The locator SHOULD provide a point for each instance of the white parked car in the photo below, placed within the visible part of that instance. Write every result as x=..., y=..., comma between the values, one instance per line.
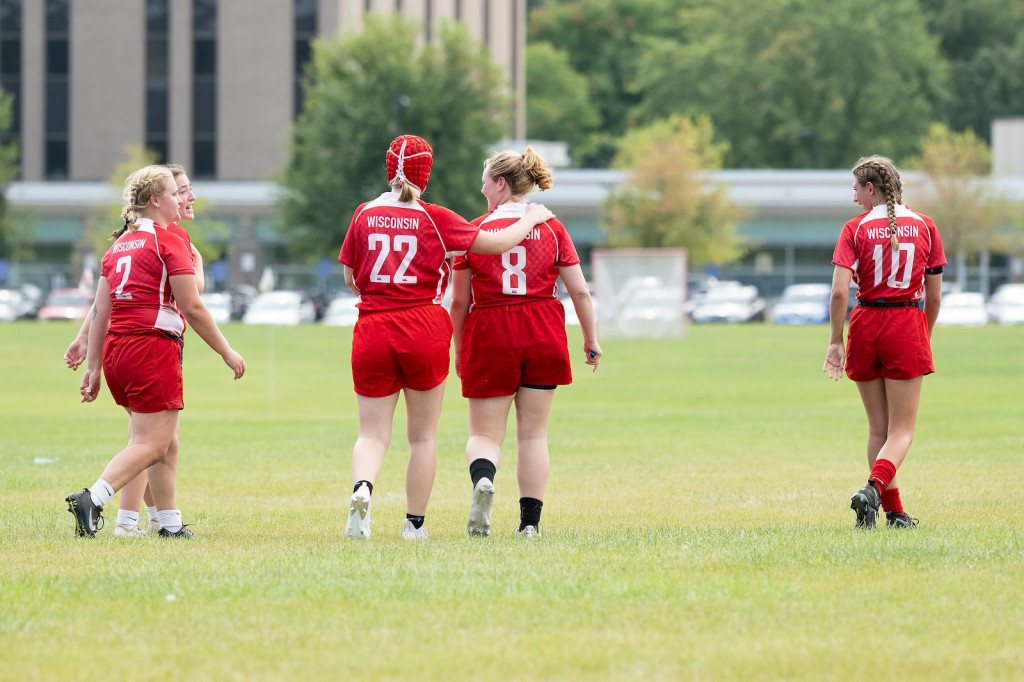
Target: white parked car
x=962, y=308
x=280, y=308
x=341, y=312
x=1006, y=305
x=730, y=304
x=12, y=305
x=219, y=305
x=803, y=304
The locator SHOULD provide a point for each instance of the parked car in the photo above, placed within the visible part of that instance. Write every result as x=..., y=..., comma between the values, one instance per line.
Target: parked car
x=962, y=308
x=730, y=304
x=341, y=312
x=652, y=311
x=803, y=304
x=280, y=308
x=66, y=304
x=1006, y=305
x=241, y=296
x=219, y=305
x=12, y=305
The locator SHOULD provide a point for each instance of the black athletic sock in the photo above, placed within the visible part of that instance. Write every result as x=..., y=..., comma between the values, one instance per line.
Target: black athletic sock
x=417, y=521
x=529, y=512
x=482, y=468
x=359, y=483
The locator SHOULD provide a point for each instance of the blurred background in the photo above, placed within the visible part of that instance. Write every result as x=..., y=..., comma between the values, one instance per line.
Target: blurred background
x=709, y=141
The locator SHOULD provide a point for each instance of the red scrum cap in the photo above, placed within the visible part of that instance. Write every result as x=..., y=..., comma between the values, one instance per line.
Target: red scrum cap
x=409, y=160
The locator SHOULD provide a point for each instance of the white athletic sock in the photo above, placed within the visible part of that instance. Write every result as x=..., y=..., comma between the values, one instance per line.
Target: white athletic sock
x=170, y=519
x=151, y=512
x=127, y=519
x=101, y=492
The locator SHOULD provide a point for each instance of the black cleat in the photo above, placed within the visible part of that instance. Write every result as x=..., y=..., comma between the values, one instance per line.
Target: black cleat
x=88, y=518
x=866, y=502
x=183, y=532
x=899, y=520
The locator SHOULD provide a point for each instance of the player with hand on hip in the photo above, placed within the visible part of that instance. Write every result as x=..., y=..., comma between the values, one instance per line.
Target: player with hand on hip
x=510, y=341
x=895, y=257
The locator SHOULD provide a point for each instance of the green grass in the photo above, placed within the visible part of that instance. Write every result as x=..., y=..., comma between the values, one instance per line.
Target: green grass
x=697, y=525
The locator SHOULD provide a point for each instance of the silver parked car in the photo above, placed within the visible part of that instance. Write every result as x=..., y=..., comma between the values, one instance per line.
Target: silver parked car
x=962, y=308
x=280, y=308
x=1007, y=304
x=341, y=312
x=803, y=304
x=730, y=304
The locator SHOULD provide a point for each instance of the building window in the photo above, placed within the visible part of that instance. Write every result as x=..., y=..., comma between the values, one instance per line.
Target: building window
x=57, y=102
x=157, y=77
x=10, y=65
x=305, y=13
x=204, y=88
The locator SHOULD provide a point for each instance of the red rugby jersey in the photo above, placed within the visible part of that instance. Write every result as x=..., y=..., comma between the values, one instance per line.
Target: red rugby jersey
x=879, y=272
x=137, y=268
x=399, y=252
x=526, y=272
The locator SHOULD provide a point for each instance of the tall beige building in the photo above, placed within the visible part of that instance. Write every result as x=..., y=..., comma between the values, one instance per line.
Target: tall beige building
x=210, y=84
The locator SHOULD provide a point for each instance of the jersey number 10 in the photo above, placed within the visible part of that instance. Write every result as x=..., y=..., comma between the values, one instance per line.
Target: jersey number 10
x=879, y=258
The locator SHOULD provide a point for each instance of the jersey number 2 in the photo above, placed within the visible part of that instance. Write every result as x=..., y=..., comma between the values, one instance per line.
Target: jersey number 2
x=124, y=266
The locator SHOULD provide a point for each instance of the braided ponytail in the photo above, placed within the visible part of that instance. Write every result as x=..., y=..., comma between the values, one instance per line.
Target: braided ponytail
x=880, y=171
x=139, y=187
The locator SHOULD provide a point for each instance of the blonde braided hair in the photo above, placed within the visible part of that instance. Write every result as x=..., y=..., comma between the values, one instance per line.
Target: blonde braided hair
x=881, y=172
x=139, y=187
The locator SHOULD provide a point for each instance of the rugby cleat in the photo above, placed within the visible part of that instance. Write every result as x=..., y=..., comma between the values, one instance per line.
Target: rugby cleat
x=899, y=520
x=865, y=502
x=480, y=512
x=528, y=532
x=122, y=532
x=182, y=532
x=411, y=532
x=358, y=526
x=88, y=516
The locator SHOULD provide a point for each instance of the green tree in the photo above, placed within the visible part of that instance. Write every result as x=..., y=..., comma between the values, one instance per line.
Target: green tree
x=203, y=232
x=602, y=39
x=667, y=202
x=359, y=87
x=12, y=237
x=970, y=216
x=798, y=83
x=984, y=43
x=557, y=104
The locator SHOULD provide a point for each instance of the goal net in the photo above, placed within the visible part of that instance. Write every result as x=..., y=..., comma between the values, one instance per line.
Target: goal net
x=640, y=293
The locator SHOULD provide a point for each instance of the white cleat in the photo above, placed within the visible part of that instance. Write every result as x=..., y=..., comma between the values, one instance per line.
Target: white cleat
x=480, y=513
x=358, y=527
x=411, y=532
x=154, y=525
x=528, y=532
x=122, y=532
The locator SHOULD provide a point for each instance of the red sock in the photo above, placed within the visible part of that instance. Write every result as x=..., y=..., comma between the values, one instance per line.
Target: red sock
x=891, y=501
x=882, y=474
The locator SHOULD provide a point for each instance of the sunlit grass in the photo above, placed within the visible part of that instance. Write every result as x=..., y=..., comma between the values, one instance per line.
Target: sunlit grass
x=696, y=526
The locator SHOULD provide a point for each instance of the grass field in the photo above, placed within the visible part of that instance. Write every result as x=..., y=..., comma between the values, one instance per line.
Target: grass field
x=697, y=525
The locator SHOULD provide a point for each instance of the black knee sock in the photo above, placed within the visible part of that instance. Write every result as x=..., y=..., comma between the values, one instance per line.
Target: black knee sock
x=359, y=483
x=417, y=521
x=482, y=468
x=529, y=512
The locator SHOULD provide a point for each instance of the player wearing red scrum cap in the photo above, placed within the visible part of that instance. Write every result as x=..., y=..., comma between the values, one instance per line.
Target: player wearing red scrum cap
x=396, y=256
